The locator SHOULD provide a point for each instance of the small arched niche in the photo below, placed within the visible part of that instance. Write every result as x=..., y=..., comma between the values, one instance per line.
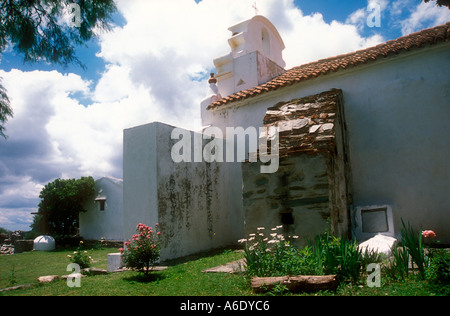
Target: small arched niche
x=265, y=38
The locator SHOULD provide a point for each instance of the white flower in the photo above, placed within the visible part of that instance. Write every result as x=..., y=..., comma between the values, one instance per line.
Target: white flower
x=242, y=240
x=260, y=228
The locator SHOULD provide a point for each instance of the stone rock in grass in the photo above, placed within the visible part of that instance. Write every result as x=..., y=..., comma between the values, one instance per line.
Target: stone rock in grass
x=380, y=244
x=95, y=271
x=48, y=278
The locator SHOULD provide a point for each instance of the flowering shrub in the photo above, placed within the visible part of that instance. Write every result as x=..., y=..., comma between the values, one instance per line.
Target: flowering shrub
x=428, y=234
x=80, y=257
x=414, y=243
x=143, y=250
x=338, y=255
x=437, y=271
x=270, y=254
x=433, y=264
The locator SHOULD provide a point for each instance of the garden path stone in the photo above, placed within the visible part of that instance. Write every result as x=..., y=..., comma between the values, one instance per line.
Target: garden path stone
x=48, y=278
x=232, y=267
x=157, y=268
x=95, y=271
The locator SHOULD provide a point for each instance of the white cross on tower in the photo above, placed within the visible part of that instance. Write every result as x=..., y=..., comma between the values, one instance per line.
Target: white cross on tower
x=256, y=8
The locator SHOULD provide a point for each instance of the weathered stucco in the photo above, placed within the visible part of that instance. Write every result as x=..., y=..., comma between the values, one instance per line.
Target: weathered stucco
x=107, y=224
x=193, y=202
x=398, y=135
x=310, y=191
x=298, y=192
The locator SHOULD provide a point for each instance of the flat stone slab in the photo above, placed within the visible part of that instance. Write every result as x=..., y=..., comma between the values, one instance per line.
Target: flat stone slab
x=48, y=278
x=158, y=268
x=17, y=287
x=95, y=271
x=232, y=267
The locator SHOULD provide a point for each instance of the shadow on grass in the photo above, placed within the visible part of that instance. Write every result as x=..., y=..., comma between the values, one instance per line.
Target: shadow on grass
x=142, y=278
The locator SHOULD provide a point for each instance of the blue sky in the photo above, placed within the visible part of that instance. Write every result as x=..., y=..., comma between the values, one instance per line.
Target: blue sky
x=152, y=66
x=331, y=10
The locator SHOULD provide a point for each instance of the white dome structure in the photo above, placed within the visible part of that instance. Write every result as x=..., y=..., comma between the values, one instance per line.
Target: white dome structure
x=44, y=243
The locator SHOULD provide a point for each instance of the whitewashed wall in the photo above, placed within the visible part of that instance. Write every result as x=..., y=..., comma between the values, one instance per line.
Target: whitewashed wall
x=107, y=224
x=198, y=205
x=397, y=113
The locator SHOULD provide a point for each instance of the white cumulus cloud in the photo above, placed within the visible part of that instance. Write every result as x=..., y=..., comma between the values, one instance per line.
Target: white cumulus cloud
x=157, y=65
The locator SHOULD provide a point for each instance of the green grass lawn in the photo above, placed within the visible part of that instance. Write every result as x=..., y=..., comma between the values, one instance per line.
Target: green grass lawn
x=182, y=278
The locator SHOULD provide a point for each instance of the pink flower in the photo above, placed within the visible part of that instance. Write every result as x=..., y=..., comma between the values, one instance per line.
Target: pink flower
x=428, y=234
x=120, y=249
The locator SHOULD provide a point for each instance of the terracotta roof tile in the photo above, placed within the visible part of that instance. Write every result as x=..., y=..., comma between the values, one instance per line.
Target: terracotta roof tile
x=322, y=67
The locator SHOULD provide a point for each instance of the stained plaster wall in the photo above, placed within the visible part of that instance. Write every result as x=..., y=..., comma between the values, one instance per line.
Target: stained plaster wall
x=194, y=203
x=311, y=186
x=300, y=187
x=399, y=137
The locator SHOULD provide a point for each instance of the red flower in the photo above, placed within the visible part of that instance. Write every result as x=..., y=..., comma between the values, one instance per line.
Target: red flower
x=428, y=234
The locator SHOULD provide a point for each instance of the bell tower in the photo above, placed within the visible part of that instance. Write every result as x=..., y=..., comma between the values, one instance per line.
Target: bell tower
x=255, y=57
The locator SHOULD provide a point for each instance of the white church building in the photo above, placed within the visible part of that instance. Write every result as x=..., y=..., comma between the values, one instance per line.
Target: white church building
x=362, y=142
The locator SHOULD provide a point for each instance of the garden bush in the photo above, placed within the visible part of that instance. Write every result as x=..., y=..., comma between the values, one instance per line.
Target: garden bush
x=438, y=271
x=337, y=255
x=418, y=251
x=143, y=251
x=272, y=254
x=81, y=257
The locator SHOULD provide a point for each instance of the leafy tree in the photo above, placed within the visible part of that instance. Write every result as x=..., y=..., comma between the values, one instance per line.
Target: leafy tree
x=5, y=110
x=441, y=3
x=61, y=202
x=36, y=29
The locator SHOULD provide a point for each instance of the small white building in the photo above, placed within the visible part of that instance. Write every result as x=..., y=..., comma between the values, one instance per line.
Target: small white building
x=104, y=216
